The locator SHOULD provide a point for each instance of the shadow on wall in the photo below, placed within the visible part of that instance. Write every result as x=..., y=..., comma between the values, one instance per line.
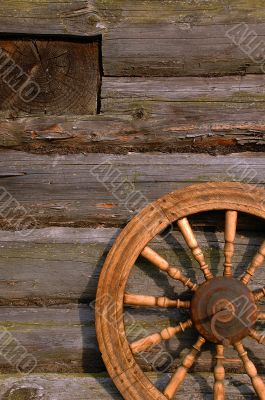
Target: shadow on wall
x=90, y=358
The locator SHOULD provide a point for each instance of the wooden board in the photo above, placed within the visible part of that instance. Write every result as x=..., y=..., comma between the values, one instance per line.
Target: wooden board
x=87, y=190
x=165, y=114
x=90, y=387
x=41, y=77
x=62, y=265
x=63, y=339
x=172, y=38
x=211, y=100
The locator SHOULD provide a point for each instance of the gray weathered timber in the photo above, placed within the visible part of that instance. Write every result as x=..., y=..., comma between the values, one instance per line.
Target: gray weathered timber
x=84, y=190
x=232, y=107
x=209, y=100
x=63, y=339
x=92, y=387
x=153, y=114
x=156, y=38
x=62, y=265
x=60, y=386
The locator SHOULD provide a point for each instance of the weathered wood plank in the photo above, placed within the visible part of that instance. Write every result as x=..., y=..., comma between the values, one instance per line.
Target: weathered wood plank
x=231, y=107
x=52, y=386
x=90, y=16
x=64, y=340
x=55, y=387
x=84, y=190
x=138, y=131
x=198, y=114
x=164, y=96
x=173, y=50
x=54, y=17
x=61, y=265
x=155, y=38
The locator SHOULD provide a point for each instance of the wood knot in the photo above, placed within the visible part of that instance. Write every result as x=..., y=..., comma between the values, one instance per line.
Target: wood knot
x=140, y=113
x=24, y=393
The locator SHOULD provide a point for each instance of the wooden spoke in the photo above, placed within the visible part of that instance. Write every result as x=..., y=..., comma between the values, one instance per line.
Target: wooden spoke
x=251, y=371
x=219, y=374
x=191, y=241
x=230, y=234
x=257, y=336
x=152, y=301
x=259, y=295
x=179, y=376
x=156, y=338
x=163, y=265
x=255, y=264
x=261, y=316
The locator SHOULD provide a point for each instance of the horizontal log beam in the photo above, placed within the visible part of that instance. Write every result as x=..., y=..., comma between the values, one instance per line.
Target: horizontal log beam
x=62, y=265
x=142, y=38
x=145, y=114
x=63, y=339
x=87, y=190
x=95, y=386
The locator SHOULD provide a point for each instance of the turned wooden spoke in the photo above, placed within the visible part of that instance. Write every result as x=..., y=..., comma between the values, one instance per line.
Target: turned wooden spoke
x=259, y=295
x=230, y=234
x=219, y=374
x=251, y=371
x=163, y=265
x=152, y=301
x=179, y=376
x=191, y=241
x=261, y=316
x=255, y=264
x=156, y=338
x=257, y=336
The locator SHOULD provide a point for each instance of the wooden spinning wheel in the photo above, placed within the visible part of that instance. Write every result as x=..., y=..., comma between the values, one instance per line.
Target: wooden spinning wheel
x=216, y=305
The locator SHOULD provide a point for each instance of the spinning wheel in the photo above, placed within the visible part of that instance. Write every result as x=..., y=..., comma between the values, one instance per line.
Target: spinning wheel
x=223, y=309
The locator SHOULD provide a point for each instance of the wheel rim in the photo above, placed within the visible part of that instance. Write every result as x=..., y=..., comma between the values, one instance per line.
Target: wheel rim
x=117, y=353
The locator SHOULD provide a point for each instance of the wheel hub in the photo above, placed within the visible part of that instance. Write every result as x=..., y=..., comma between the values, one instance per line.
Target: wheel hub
x=223, y=310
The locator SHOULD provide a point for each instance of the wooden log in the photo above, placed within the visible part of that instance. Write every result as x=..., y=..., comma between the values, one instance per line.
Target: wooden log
x=217, y=106
x=158, y=95
x=41, y=76
x=63, y=339
x=100, y=386
x=148, y=114
x=152, y=38
x=87, y=190
x=91, y=386
x=53, y=18
x=61, y=265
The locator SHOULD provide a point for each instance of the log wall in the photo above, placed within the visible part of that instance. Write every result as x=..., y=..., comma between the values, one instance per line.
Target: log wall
x=180, y=100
